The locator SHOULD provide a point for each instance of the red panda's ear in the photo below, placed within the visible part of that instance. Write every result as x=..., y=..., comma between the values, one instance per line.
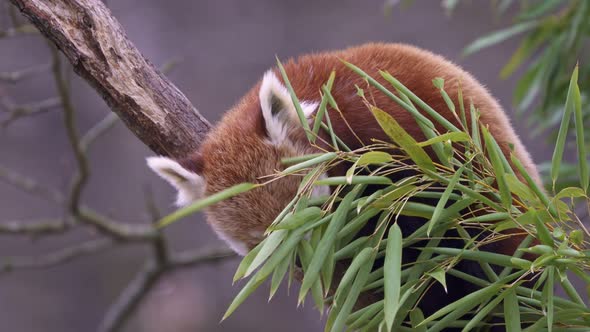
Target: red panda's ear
x=190, y=185
x=278, y=109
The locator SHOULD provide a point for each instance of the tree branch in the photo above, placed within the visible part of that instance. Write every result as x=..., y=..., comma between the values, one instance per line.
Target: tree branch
x=96, y=45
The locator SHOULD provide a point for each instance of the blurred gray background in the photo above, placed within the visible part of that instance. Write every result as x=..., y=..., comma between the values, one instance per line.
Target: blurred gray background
x=224, y=47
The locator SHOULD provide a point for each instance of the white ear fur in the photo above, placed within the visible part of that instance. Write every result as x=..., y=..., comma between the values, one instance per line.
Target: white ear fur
x=278, y=109
x=190, y=185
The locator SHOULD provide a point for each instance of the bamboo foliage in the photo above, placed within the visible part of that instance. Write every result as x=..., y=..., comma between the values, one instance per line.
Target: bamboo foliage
x=314, y=234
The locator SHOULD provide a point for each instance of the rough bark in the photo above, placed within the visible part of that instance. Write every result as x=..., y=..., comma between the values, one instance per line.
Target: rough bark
x=100, y=52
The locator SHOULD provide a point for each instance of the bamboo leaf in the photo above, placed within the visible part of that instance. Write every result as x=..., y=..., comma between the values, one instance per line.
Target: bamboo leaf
x=250, y=287
x=323, y=249
x=580, y=142
x=247, y=261
x=499, y=169
x=499, y=36
x=353, y=294
x=268, y=248
x=512, y=311
x=300, y=114
x=440, y=206
x=323, y=104
x=563, y=128
x=399, y=135
x=439, y=275
x=452, y=136
x=392, y=273
x=277, y=277
x=205, y=202
x=309, y=214
x=373, y=158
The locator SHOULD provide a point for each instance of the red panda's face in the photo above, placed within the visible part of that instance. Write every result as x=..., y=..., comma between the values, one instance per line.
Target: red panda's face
x=246, y=146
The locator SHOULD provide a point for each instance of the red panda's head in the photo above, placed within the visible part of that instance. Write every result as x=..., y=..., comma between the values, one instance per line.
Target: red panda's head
x=246, y=146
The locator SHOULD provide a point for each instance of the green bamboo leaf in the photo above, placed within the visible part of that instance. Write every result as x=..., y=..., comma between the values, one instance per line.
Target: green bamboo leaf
x=538, y=9
x=420, y=118
x=399, y=135
x=542, y=232
x=427, y=109
x=357, y=263
x=512, y=311
x=416, y=317
x=250, y=287
x=300, y=114
x=285, y=250
x=268, y=248
x=352, y=296
x=327, y=271
x=323, y=249
x=205, y=202
x=392, y=273
x=570, y=192
x=483, y=256
x=518, y=188
x=440, y=206
x=462, y=108
x=483, y=312
x=323, y=104
x=373, y=158
x=300, y=159
x=548, y=297
x=309, y=214
x=305, y=254
x=277, y=277
x=453, y=137
x=246, y=261
x=326, y=157
x=357, y=179
x=463, y=305
x=499, y=169
x=439, y=83
x=570, y=105
x=475, y=126
x=532, y=183
x=350, y=249
x=439, y=275
x=580, y=142
x=499, y=36
x=359, y=319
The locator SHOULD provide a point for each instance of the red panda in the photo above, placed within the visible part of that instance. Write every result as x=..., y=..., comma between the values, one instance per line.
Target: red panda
x=262, y=128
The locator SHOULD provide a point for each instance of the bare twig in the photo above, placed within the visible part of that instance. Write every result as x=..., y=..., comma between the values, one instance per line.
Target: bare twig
x=15, y=76
x=83, y=171
x=99, y=129
x=25, y=29
x=35, y=227
x=120, y=311
x=30, y=185
x=196, y=257
x=130, y=298
x=20, y=111
x=55, y=258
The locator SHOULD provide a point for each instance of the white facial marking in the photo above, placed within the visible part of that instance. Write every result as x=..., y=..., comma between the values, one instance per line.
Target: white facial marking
x=238, y=246
x=278, y=109
x=189, y=185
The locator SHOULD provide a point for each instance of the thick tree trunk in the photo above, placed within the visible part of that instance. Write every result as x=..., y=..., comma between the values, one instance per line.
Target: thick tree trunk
x=96, y=45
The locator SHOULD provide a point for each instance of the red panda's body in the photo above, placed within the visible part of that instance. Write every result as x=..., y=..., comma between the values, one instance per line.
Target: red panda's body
x=261, y=129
